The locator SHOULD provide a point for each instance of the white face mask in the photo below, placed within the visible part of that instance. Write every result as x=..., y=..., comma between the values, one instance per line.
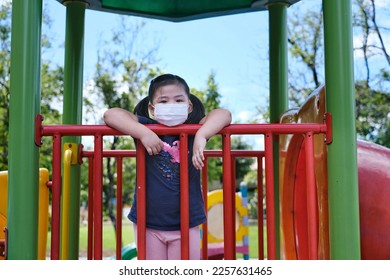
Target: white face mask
x=171, y=114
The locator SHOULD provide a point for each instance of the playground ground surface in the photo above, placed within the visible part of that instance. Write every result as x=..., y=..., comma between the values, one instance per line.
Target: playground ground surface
x=128, y=238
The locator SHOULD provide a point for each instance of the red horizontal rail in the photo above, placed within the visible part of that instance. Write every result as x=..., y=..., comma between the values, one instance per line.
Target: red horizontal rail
x=208, y=153
x=90, y=130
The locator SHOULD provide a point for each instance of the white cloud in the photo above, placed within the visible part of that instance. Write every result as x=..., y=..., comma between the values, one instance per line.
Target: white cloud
x=242, y=117
x=381, y=3
x=3, y=2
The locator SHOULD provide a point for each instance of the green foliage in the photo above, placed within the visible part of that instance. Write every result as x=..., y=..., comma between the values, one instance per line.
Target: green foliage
x=52, y=84
x=243, y=164
x=372, y=82
x=123, y=72
x=213, y=97
x=51, y=89
x=252, y=183
x=212, y=101
x=5, y=49
x=121, y=80
x=373, y=112
x=306, y=50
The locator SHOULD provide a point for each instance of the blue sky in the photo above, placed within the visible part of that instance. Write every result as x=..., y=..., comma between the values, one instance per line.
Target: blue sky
x=235, y=47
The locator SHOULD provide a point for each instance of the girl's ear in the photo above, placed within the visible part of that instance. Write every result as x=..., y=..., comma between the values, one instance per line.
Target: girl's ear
x=151, y=110
x=190, y=107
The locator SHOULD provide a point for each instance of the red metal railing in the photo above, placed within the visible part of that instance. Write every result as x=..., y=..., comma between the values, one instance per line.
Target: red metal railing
x=99, y=131
x=120, y=154
x=259, y=155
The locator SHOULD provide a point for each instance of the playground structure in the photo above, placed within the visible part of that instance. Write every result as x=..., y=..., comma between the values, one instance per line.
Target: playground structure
x=43, y=211
x=215, y=224
x=374, y=190
x=344, y=232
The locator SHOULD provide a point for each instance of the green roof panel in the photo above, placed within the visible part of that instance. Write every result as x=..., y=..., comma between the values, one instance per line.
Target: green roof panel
x=179, y=10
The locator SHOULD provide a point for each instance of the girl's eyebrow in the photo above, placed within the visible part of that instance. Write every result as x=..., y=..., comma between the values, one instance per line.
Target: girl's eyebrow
x=181, y=95
x=163, y=97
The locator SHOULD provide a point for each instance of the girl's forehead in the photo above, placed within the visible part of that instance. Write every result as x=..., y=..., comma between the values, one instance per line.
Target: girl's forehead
x=170, y=91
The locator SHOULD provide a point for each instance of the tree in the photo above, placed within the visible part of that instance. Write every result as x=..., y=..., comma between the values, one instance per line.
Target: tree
x=51, y=89
x=372, y=89
x=372, y=71
x=371, y=59
x=212, y=101
x=5, y=51
x=121, y=80
x=306, y=52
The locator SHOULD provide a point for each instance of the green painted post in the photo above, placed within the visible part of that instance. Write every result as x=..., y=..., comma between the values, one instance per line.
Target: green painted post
x=23, y=154
x=73, y=95
x=278, y=86
x=342, y=153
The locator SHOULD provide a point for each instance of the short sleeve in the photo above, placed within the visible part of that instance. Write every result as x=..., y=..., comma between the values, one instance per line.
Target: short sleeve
x=145, y=120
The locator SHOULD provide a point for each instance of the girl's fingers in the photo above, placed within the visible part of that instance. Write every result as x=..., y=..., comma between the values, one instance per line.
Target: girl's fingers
x=197, y=160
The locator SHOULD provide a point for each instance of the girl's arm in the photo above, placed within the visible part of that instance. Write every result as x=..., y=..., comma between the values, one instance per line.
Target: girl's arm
x=211, y=125
x=127, y=123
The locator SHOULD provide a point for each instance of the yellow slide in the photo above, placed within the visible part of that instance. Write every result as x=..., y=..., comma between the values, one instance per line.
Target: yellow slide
x=43, y=218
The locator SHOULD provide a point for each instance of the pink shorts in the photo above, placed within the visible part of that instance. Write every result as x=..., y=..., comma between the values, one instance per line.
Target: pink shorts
x=165, y=245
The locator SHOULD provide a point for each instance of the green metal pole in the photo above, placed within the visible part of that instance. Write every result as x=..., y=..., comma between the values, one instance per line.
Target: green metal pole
x=73, y=95
x=23, y=154
x=342, y=153
x=278, y=86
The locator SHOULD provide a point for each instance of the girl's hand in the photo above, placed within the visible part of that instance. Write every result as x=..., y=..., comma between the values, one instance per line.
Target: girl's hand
x=152, y=143
x=197, y=152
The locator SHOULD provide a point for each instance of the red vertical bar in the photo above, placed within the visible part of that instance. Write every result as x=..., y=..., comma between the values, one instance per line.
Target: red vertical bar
x=311, y=196
x=184, y=198
x=229, y=202
x=260, y=220
x=56, y=198
x=90, y=208
x=119, y=166
x=233, y=208
x=204, y=226
x=98, y=198
x=234, y=173
x=270, y=194
x=141, y=202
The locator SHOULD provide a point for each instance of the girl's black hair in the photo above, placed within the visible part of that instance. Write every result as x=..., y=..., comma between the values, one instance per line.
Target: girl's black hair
x=164, y=80
x=198, y=111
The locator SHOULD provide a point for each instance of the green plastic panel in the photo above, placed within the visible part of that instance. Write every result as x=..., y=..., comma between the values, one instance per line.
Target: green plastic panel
x=179, y=10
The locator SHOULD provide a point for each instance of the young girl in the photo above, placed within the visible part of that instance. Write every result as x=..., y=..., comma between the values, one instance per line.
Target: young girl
x=169, y=103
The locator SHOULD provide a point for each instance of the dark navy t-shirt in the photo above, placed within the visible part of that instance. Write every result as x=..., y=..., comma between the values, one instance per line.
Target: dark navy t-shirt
x=163, y=187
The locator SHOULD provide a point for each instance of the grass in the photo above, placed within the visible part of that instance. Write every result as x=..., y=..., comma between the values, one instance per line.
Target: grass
x=109, y=239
